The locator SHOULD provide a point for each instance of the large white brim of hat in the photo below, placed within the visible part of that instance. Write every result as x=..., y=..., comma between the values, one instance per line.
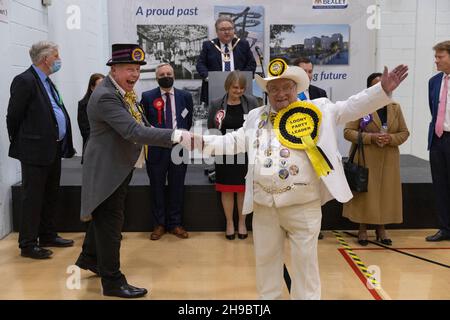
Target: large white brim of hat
x=296, y=74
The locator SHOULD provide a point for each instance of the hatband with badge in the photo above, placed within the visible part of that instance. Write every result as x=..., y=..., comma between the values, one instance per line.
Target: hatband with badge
x=126, y=53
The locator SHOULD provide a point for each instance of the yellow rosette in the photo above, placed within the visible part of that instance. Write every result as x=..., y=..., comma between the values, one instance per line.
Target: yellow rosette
x=297, y=127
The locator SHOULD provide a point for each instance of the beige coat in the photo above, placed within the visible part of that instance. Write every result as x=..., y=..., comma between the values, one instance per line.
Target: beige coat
x=382, y=204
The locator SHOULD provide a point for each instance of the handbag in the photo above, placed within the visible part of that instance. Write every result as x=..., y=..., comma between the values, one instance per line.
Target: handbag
x=357, y=174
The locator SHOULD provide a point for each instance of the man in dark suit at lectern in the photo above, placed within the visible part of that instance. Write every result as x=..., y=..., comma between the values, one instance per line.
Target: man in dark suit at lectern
x=224, y=53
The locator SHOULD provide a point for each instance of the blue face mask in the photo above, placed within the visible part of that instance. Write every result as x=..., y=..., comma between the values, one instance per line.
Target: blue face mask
x=56, y=66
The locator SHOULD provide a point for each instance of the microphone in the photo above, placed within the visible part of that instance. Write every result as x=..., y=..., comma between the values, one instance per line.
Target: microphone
x=259, y=52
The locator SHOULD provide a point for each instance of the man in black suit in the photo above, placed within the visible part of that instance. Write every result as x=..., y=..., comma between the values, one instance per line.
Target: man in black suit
x=312, y=92
x=224, y=53
x=40, y=134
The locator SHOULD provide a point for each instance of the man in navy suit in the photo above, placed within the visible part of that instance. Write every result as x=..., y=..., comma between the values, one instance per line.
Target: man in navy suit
x=167, y=107
x=312, y=92
x=224, y=53
x=439, y=138
x=40, y=134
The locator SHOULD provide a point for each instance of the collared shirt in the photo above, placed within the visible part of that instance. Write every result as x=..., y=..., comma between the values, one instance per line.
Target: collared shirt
x=141, y=160
x=172, y=104
x=59, y=113
x=306, y=93
x=230, y=51
x=447, y=108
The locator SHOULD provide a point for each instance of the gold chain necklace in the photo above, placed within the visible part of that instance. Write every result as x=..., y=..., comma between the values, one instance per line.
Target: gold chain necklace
x=226, y=55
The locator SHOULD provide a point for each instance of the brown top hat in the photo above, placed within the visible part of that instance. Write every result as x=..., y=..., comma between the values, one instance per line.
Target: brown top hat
x=127, y=53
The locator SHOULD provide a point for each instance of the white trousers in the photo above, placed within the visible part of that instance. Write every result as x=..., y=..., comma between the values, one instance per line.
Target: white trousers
x=301, y=225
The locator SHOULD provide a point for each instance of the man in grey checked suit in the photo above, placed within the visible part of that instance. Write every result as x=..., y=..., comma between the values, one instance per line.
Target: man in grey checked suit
x=115, y=147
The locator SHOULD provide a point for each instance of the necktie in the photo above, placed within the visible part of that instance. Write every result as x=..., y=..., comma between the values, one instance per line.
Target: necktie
x=439, y=129
x=57, y=110
x=168, y=113
x=52, y=91
x=131, y=98
x=227, y=62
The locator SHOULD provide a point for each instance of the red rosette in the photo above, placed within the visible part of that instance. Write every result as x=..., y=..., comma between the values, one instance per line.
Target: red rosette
x=158, y=104
x=219, y=117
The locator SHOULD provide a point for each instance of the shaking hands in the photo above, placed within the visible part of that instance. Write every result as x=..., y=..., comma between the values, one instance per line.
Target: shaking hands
x=191, y=141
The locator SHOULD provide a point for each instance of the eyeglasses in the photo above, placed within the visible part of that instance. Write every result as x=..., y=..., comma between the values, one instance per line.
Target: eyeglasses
x=285, y=89
x=225, y=29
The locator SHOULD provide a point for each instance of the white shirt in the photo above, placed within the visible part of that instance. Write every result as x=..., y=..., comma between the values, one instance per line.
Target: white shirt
x=222, y=46
x=172, y=104
x=447, y=108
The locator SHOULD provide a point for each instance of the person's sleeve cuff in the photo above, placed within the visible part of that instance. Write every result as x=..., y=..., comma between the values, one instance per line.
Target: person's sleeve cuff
x=176, y=136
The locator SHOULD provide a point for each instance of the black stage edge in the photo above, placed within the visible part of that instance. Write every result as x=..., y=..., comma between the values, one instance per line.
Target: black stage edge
x=203, y=210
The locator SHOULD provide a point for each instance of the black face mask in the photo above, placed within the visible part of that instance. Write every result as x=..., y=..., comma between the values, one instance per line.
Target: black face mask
x=166, y=82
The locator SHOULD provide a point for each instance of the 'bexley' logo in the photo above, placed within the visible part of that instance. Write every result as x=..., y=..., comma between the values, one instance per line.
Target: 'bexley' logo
x=330, y=4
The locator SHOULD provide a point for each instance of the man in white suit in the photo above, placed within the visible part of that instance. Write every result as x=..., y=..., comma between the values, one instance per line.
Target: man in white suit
x=284, y=188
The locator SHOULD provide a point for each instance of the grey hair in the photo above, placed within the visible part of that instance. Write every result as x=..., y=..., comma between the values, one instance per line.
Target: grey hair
x=222, y=19
x=159, y=66
x=40, y=50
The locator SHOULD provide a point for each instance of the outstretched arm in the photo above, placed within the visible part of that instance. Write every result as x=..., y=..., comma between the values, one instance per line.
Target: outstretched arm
x=370, y=99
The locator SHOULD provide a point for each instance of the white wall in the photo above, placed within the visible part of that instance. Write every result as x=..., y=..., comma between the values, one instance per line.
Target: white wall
x=409, y=30
x=84, y=51
x=27, y=22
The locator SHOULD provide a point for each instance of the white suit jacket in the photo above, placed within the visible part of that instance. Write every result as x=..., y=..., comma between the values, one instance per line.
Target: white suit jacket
x=333, y=186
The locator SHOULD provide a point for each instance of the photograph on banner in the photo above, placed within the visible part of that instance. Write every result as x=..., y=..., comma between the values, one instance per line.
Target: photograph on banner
x=178, y=45
x=4, y=10
x=323, y=44
x=248, y=22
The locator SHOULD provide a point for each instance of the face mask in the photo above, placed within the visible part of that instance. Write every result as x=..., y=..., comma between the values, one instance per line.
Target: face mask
x=166, y=82
x=55, y=66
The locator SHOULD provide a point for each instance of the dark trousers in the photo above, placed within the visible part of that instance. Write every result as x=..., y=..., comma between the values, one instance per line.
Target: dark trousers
x=440, y=173
x=101, y=245
x=174, y=173
x=40, y=185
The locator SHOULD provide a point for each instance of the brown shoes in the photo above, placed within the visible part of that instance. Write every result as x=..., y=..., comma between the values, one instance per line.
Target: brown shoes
x=157, y=232
x=180, y=232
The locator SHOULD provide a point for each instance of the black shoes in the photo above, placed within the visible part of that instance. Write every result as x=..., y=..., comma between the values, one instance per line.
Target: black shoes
x=230, y=236
x=438, y=236
x=36, y=252
x=242, y=236
x=320, y=236
x=125, y=291
x=362, y=239
x=385, y=241
x=363, y=242
x=56, y=242
x=85, y=264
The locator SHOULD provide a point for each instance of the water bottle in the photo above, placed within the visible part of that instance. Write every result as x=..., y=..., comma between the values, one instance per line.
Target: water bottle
x=383, y=129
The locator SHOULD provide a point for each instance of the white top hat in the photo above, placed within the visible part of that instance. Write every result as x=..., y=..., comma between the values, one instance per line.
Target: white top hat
x=278, y=69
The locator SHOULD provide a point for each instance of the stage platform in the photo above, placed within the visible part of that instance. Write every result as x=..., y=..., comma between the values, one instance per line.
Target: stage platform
x=203, y=211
